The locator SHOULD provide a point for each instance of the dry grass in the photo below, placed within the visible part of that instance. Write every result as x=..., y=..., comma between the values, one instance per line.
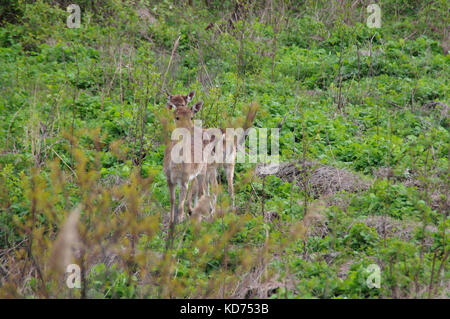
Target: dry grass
x=324, y=180
x=255, y=285
x=401, y=229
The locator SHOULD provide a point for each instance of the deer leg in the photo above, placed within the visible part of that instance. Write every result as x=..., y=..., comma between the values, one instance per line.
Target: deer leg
x=181, y=200
x=201, y=185
x=212, y=179
x=229, y=170
x=193, y=190
x=172, y=200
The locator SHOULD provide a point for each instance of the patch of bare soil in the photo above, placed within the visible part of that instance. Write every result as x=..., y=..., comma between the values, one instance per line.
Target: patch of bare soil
x=436, y=105
x=145, y=14
x=344, y=269
x=315, y=223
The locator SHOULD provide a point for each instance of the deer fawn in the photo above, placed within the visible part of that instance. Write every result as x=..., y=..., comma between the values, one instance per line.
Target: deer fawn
x=181, y=173
x=208, y=176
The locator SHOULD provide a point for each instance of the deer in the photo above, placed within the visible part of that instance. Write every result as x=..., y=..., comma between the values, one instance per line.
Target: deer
x=203, y=209
x=182, y=173
x=208, y=177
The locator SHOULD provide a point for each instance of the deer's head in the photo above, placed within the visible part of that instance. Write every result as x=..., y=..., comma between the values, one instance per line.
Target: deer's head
x=182, y=113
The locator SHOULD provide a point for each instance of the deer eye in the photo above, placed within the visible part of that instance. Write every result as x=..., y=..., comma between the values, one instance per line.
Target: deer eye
x=192, y=118
x=177, y=118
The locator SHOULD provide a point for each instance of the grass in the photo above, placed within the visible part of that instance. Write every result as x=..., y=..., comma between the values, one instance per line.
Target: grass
x=83, y=124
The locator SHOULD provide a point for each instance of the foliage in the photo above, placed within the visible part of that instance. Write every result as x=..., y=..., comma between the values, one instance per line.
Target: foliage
x=83, y=125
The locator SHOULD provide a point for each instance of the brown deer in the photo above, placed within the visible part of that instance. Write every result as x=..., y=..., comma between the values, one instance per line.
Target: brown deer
x=202, y=209
x=209, y=175
x=181, y=173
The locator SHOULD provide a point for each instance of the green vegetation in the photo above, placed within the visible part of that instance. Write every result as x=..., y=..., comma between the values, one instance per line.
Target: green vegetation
x=363, y=114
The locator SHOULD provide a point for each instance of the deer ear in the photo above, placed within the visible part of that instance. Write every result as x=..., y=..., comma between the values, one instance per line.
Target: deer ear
x=190, y=96
x=197, y=107
x=170, y=106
